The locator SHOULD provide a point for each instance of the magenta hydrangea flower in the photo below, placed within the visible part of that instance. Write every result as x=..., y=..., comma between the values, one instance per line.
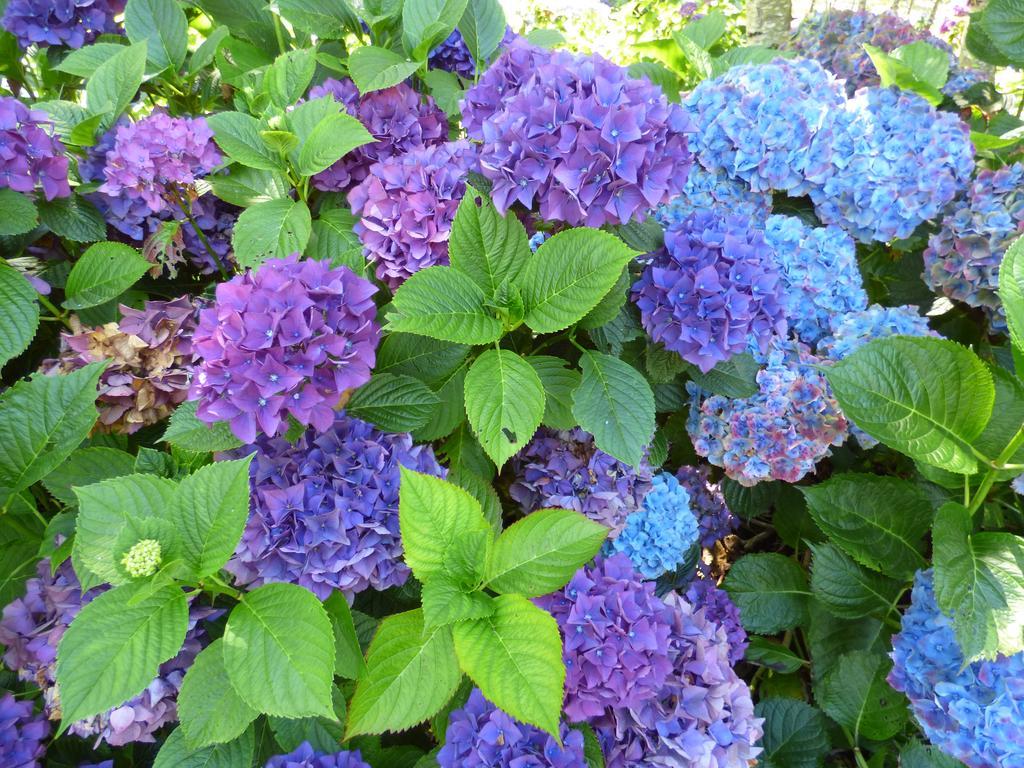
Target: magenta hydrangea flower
x=398, y=118
x=30, y=152
x=286, y=339
x=719, y=608
x=407, y=205
x=480, y=735
x=577, y=136
x=72, y=23
x=304, y=756
x=615, y=633
x=324, y=510
x=22, y=733
x=714, y=285
x=714, y=520
x=566, y=470
x=157, y=158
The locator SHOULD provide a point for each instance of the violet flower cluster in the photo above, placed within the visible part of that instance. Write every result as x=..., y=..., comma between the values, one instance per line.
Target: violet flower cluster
x=324, y=510
x=150, y=368
x=71, y=23
x=576, y=136
x=566, y=470
x=963, y=258
x=971, y=711
x=719, y=608
x=22, y=733
x=407, y=205
x=452, y=55
x=714, y=519
x=657, y=537
x=896, y=163
x=286, y=339
x=714, y=189
x=769, y=125
x=398, y=118
x=304, y=756
x=781, y=432
x=819, y=275
x=30, y=152
x=712, y=286
x=480, y=735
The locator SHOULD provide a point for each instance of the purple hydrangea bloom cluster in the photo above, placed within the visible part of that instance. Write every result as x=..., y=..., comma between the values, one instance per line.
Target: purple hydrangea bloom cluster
x=855, y=329
x=71, y=23
x=407, y=205
x=480, y=735
x=657, y=537
x=31, y=629
x=713, y=286
x=962, y=259
x=770, y=125
x=30, y=152
x=398, y=118
x=971, y=711
x=896, y=163
x=576, y=135
x=452, y=55
x=305, y=756
x=781, y=432
x=615, y=633
x=960, y=79
x=325, y=509
x=288, y=338
x=819, y=275
x=21, y=733
x=719, y=608
x=714, y=189
x=714, y=519
x=702, y=716
x=158, y=158
x=566, y=470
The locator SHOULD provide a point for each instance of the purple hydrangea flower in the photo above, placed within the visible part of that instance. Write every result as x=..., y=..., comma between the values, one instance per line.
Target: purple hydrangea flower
x=31, y=629
x=702, y=716
x=781, y=432
x=896, y=163
x=30, y=152
x=714, y=285
x=615, y=633
x=398, y=118
x=158, y=158
x=480, y=735
x=719, y=608
x=72, y=23
x=820, y=279
x=288, y=338
x=657, y=536
x=577, y=136
x=770, y=125
x=971, y=711
x=708, y=504
x=305, y=756
x=407, y=205
x=962, y=259
x=21, y=733
x=714, y=189
x=453, y=56
x=960, y=79
x=150, y=354
x=325, y=509
x=566, y=470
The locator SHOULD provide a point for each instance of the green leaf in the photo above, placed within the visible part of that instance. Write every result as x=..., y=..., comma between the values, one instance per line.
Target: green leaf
x=773, y=655
x=175, y=753
x=615, y=404
x=410, y=673
x=348, y=656
x=848, y=590
x=878, y=521
x=115, y=646
x=978, y=43
x=373, y=69
x=287, y=79
x=22, y=541
x=892, y=71
x=331, y=139
x=698, y=59
x=918, y=755
x=273, y=229
x=445, y=304
x=73, y=218
x=446, y=89
x=855, y=694
x=429, y=360
x=104, y=272
x=926, y=397
x=187, y=432
x=929, y=63
x=244, y=186
x=568, y=275
x=1011, y=290
x=771, y=592
x=279, y=651
x=425, y=23
x=735, y=377
x=162, y=25
x=515, y=659
x=84, y=61
x=238, y=136
x=393, y=402
x=545, y=38
x=1003, y=22
x=541, y=552
x=19, y=313
x=115, y=82
x=327, y=19
x=559, y=383
x=210, y=710
x=205, y=54
x=486, y=246
x=482, y=26
x=84, y=467
x=504, y=402
x=324, y=734
x=445, y=602
x=20, y=214
x=795, y=734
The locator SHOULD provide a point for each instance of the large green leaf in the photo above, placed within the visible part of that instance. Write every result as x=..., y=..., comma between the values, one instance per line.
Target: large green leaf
x=20, y=214
x=482, y=26
x=323, y=733
x=394, y=403
x=559, y=383
x=795, y=734
x=104, y=272
x=329, y=141
x=73, y=218
x=162, y=25
x=847, y=589
x=244, y=186
x=273, y=229
x=326, y=19
x=176, y=753
x=615, y=404
x=238, y=135
x=918, y=755
x=445, y=304
x=287, y=79
x=348, y=656
x=446, y=601
x=855, y=694
x=84, y=467
x=115, y=82
x=429, y=360
x=1003, y=22
x=735, y=377
x=425, y=23
x=210, y=710
x=19, y=313
x=485, y=245
x=82, y=62
x=373, y=69
x=771, y=592
x=1011, y=290
x=187, y=432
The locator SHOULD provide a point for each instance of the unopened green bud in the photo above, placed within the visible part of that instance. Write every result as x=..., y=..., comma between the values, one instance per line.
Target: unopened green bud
x=143, y=558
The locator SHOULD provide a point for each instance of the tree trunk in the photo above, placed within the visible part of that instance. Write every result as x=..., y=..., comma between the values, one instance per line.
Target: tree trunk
x=768, y=21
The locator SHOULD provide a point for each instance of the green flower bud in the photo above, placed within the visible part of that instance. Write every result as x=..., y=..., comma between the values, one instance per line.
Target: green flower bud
x=143, y=559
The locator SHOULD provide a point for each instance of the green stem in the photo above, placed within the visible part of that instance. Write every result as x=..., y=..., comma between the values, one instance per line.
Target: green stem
x=1000, y=463
x=55, y=312
x=279, y=33
x=202, y=235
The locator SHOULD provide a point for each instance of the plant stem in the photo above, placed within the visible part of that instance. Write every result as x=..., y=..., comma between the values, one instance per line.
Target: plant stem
x=55, y=312
x=279, y=33
x=1000, y=463
x=202, y=235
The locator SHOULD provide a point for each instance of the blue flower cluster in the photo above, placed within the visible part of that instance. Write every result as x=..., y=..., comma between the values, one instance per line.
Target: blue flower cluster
x=714, y=189
x=657, y=537
x=22, y=733
x=61, y=22
x=855, y=329
x=714, y=518
x=304, y=756
x=972, y=711
x=453, y=56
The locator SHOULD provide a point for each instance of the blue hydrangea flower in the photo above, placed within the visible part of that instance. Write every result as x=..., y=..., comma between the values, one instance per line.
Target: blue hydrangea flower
x=709, y=189
x=719, y=608
x=970, y=711
x=536, y=239
x=1018, y=485
x=452, y=55
x=305, y=756
x=72, y=23
x=855, y=329
x=714, y=518
x=22, y=733
x=820, y=279
x=657, y=537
